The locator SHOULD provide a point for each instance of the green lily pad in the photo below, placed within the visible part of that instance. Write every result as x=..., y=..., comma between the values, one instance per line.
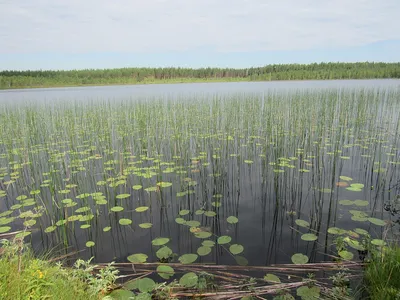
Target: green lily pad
x=236, y=249
x=193, y=223
x=241, y=260
x=50, y=229
x=346, y=202
x=117, y=208
x=137, y=187
x=5, y=229
x=189, y=280
x=302, y=223
x=141, y=208
x=347, y=255
x=208, y=243
x=22, y=234
x=145, y=225
x=106, y=229
x=210, y=213
x=188, y=258
x=299, y=259
x=164, y=184
x=160, y=241
x=222, y=240
x=180, y=221
x=123, y=196
x=377, y=222
x=361, y=203
x=137, y=258
x=337, y=231
x=184, y=212
x=232, y=220
x=89, y=244
x=361, y=231
x=345, y=178
x=378, y=242
x=199, y=212
x=164, y=252
x=309, y=237
x=121, y=294
x=125, y=222
x=165, y=272
x=145, y=284
x=308, y=293
x=203, y=250
x=272, y=278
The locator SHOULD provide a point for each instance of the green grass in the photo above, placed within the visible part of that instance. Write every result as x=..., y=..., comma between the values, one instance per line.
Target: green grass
x=22, y=276
x=383, y=275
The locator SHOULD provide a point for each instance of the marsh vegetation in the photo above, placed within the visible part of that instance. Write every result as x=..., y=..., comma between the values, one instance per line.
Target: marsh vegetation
x=280, y=177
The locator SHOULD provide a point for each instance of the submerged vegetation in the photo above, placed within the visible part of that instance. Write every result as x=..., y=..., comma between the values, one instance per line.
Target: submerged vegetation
x=30, y=79
x=190, y=193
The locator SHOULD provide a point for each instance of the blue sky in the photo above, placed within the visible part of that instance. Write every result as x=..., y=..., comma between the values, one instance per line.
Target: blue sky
x=76, y=34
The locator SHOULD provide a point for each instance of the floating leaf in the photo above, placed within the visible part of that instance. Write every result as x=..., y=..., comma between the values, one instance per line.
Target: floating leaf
x=137, y=258
x=22, y=234
x=180, y=221
x=123, y=196
x=232, y=220
x=361, y=231
x=345, y=178
x=108, y=228
x=346, y=202
x=378, y=242
x=61, y=222
x=377, y=222
x=141, y=208
x=361, y=203
x=347, y=255
x=354, y=244
x=203, y=250
x=241, y=261
x=160, y=241
x=82, y=209
x=189, y=280
x=309, y=237
x=188, y=258
x=122, y=294
x=302, y=223
x=164, y=184
x=203, y=234
x=117, y=208
x=125, y=222
x=50, y=229
x=89, y=244
x=145, y=284
x=272, y=278
x=236, y=249
x=193, y=223
x=216, y=204
x=335, y=230
x=199, y=212
x=85, y=226
x=184, y=212
x=210, y=213
x=145, y=225
x=308, y=293
x=137, y=187
x=4, y=229
x=151, y=189
x=208, y=243
x=222, y=240
x=299, y=259
x=29, y=223
x=164, y=252
x=165, y=272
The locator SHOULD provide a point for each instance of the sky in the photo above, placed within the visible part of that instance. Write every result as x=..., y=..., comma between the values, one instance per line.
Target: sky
x=78, y=34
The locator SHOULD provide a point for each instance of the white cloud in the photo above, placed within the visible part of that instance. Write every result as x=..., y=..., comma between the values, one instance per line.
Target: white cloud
x=78, y=26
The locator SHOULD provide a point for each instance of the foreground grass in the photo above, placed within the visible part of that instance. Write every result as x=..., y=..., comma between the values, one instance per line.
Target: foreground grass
x=22, y=276
x=382, y=275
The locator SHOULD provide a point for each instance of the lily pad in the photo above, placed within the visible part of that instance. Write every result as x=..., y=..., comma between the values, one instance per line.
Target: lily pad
x=184, y=212
x=302, y=223
x=210, y=213
x=222, y=240
x=137, y=258
x=123, y=196
x=361, y=203
x=309, y=237
x=346, y=202
x=236, y=249
x=117, y=208
x=188, y=258
x=272, y=278
x=299, y=259
x=378, y=242
x=141, y=208
x=232, y=220
x=160, y=241
x=125, y=222
x=180, y=221
x=164, y=252
x=347, y=255
x=145, y=225
x=5, y=229
x=193, y=223
x=165, y=271
x=345, y=178
x=203, y=250
x=189, y=280
x=377, y=222
x=90, y=244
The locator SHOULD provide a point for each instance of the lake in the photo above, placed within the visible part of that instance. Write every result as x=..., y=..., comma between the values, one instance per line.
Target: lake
x=250, y=172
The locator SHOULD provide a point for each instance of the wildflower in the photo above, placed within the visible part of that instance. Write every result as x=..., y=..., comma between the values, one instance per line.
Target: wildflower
x=39, y=274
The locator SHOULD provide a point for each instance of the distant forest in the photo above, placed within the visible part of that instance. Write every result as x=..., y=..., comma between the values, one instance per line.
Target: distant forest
x=318, y=71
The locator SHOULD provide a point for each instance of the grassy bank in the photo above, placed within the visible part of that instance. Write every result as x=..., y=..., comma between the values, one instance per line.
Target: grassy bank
x=123, y=76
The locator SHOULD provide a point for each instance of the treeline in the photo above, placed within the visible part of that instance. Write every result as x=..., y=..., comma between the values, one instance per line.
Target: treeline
x=361, y=70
